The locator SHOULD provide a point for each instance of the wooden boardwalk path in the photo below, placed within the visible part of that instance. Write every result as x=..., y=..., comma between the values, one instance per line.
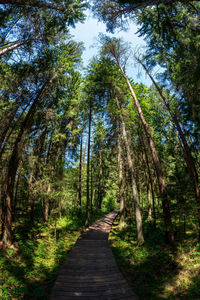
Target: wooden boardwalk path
x=90, y=271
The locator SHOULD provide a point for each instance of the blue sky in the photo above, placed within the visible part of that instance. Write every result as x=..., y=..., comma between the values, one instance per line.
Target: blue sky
x=88, y=31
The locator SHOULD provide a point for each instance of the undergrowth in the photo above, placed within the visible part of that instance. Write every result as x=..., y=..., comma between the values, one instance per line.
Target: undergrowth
x=153, y=270
x=29, y=271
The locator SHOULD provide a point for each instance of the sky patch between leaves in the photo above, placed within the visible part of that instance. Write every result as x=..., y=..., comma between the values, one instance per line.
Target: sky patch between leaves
x=88, y=32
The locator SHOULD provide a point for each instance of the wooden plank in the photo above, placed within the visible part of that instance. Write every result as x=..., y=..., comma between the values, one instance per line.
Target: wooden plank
x=90, y=271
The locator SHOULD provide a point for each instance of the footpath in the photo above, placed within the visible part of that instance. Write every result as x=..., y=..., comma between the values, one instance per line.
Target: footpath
x=90, y=271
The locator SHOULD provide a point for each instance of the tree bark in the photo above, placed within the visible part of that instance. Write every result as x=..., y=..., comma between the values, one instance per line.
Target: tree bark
x=88, y=168
x=138, y=215
x=157, y=165
x=31, y=197
x=149, y=174
x=100, y=175
x=16, y=192
x=15, y=45
x=46, y=205
x=13, y=165
x=7, y=122
x=93, y=196
x=149, y=201
x=186, y=150
x=129, y=204
x=139, y=5
x=80, y=169
x=121, y=185
x=91, y=187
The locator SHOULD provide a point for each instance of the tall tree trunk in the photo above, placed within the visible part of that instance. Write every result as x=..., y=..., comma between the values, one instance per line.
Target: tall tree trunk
x=187, y=153
x=9, y=124
x=31, y=197
x=88, y=168
x=157, y=165
x=80, y=169
x=129, y=205
x=100, y=175
x=149, y=201
x=93, y=196
x=13, y=165
x=121, y=185
x=6, y=123
x=2, y=194
x=149, y=174
x=16, y=192
x=138, y=215
x=91, y=187
x=15, y=45
x=135, y=161
x=46, y=204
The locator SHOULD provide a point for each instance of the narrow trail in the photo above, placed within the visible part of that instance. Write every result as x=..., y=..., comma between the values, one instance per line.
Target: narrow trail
x=90, y=271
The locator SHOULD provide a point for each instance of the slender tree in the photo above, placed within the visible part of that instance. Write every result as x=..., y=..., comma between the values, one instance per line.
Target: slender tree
x=115, y=49
x=121, y=184
x=80, y=166
x=136, y=199
x=187, y=153
x=88, y=204
x=14, y=161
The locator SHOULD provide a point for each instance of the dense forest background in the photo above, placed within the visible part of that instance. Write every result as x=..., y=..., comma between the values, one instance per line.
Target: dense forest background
x=75, y=144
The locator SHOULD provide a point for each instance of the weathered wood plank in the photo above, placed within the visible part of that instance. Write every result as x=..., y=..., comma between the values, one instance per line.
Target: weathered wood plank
x=90, y=271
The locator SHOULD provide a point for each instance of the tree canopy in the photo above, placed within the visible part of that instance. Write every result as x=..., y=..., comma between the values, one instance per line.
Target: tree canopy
x=76, y=143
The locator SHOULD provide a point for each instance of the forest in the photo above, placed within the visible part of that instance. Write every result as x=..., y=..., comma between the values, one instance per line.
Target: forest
x=77, y=143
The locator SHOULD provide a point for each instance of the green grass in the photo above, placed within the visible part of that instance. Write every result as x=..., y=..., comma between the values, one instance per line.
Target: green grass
x=29, y=271
x=153, y=270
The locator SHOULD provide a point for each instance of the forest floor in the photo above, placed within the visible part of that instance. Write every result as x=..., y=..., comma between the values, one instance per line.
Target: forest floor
x=153, y=270
x=30, y=271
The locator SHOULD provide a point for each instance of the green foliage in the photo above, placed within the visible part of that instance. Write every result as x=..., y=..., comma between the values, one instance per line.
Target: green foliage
x=47, y=213
x=172, y=34
x=31, y=270
x=153, y=270
x=38, y=24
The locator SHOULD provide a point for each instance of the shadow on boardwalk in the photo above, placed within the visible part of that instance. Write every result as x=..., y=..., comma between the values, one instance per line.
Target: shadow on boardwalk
x=90, y=271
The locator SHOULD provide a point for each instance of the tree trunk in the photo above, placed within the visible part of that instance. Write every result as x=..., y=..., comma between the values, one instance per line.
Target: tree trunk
x=88, y=168
x=138, y=215
x=93, y=196
x=6, y=123
x=46, y=204
x=149, y=201
x=149, y=174
x=11, y=125
x=31, y=197
x=129, y=206
x=80, y=169
x=16, y=192
x=187, y=154
x=91, y=186
x=100, y=175
x=121, y=185
x=13, y=165
x=157, y=165
x=15, y=45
